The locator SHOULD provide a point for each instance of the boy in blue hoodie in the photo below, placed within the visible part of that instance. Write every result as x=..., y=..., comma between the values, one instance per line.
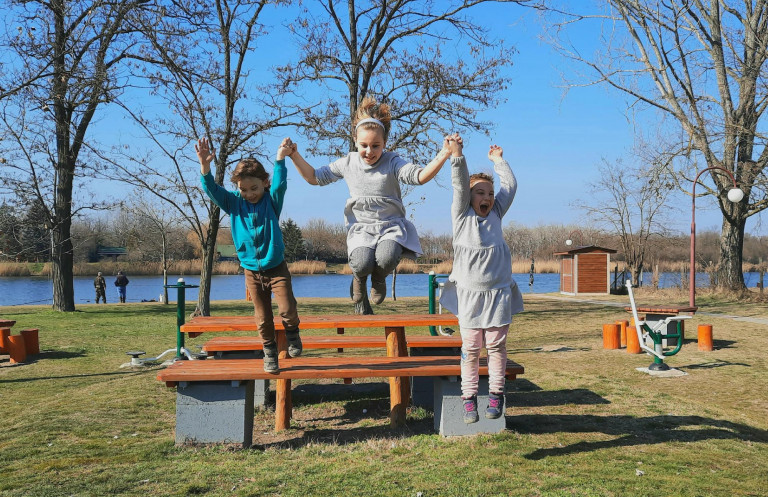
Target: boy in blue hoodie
x=254, y=213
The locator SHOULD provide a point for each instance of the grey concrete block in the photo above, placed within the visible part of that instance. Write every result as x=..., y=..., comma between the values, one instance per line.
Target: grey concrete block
x=422, y=387
x=261, y=390
x=449, y=409
x=215, y=412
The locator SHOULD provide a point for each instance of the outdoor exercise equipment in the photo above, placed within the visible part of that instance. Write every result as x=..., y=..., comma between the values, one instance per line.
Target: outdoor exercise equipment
x=181, y=351
x=434, y=302
x=656, y=334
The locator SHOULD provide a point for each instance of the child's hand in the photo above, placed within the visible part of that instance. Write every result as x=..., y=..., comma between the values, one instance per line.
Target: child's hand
x=286, y=149
x=455, y=145
x=204, y=155
x=495, y=153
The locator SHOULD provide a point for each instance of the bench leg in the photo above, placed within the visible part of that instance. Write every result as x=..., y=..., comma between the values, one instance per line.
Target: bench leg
x=283, y=405
x=214, y=412
x=399, y=387
x=449, y=409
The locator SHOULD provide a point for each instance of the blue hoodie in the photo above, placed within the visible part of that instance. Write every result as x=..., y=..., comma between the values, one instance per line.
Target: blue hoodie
x=255, y=227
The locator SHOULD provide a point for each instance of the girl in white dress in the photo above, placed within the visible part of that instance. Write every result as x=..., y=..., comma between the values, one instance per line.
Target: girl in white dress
x=378, y=234
x=480, y=289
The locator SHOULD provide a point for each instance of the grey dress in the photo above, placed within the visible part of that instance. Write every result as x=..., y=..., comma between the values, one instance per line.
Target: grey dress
x=481, y=290
x=375, y=209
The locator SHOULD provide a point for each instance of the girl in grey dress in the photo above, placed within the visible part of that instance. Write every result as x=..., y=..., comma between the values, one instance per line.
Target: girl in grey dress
x=480, y=289
x=378, y=234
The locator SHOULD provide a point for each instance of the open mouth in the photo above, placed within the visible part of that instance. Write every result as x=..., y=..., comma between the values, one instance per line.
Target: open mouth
x=485, y=209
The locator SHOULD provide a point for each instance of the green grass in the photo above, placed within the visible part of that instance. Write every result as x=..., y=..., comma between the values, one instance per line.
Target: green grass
x=581, y=421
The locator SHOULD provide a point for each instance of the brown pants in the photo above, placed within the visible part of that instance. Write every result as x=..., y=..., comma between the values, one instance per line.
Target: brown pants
x=261, y=285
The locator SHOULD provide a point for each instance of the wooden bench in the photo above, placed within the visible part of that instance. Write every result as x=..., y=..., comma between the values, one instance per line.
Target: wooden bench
x=394, y=334
x=220, y=346
x=215, y=398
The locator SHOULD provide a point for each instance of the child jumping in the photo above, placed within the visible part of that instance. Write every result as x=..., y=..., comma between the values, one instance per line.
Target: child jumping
x=480, y=289
x=378, y=234
x=254, y=219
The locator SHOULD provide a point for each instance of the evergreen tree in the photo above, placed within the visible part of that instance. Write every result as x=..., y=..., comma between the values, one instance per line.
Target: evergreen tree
x=294, y=241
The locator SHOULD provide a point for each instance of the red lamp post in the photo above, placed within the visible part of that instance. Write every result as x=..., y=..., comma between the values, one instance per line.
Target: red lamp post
x=734, y=195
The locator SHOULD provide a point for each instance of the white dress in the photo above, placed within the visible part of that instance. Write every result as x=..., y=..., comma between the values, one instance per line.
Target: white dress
x=375, y=209
x=481, y=290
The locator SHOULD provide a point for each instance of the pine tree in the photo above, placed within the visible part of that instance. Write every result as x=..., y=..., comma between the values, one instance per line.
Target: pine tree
x=294, y=242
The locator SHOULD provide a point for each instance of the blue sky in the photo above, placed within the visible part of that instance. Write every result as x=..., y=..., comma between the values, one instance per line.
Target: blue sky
x=554, y=142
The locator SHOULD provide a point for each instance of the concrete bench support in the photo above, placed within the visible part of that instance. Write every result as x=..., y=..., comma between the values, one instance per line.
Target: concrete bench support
x=449, y=409
x=215, y=412
x=423, y=387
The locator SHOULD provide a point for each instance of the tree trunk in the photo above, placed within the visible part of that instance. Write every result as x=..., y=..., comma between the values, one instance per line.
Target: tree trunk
x=206, y=271
x=729, y=271
x=61, y=269
x=62, y=257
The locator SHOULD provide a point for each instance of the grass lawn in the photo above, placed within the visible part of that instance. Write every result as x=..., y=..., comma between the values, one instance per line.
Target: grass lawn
x=581, y=421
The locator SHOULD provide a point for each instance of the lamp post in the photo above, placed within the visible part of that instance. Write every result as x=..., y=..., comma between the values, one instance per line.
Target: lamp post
x=735, y=195
x=569, y=241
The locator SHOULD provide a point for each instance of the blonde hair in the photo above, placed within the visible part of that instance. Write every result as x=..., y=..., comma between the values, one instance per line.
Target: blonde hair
x=478, y=177
x=370, y=108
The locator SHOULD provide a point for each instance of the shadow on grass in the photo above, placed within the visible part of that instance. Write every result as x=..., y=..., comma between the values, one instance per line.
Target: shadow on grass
x=714, y=364
x=578, y=396
x=49, y=378
x=630, y=431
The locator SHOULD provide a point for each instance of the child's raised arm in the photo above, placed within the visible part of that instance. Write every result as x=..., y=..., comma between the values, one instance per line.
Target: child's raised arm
x=204, y=155
x=305, y=169
x=508, y=187
x=431, y=169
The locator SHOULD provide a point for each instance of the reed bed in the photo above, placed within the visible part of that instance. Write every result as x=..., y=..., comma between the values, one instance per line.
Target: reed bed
x=308, y=267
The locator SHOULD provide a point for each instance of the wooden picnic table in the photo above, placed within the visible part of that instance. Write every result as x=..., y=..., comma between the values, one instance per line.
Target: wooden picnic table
x=394, y=331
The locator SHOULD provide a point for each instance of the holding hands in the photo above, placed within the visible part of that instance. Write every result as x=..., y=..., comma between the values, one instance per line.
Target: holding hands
x=454, y=144
x=286, y=149
x=495, y=153
x=204, y=155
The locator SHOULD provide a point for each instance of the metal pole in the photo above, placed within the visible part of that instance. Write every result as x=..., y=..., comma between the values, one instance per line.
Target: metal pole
x=692, y=280
x=432, y=286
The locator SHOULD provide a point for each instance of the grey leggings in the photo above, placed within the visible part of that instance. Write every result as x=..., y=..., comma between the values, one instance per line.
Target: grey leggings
x=379, y=262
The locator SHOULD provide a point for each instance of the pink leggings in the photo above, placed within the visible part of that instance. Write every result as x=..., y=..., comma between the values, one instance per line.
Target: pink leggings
x=473, y=340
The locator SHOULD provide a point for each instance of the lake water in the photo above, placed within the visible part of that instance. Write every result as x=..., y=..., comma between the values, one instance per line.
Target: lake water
x=38, y=290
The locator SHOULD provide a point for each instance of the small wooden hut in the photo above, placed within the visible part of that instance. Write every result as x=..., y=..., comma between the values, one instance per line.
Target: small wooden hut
x=585, y=269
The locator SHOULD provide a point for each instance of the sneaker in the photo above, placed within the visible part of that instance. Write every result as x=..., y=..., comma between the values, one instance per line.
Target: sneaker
x=270, y=359
x=470, y=410
x=378, y=290
x=495, y=405
x=358, y=289
x=294, y=343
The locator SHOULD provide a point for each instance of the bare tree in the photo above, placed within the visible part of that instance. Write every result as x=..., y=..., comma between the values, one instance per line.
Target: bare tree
x=199, y=58
x=630, y=201
x=60, y=66
x=154, y=226
x=400, y=51
x=703, y=66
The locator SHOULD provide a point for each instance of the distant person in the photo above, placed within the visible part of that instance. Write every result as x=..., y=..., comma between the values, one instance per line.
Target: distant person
x=480, y=289
x=101, y=287
x=254, y=213
x=121, y=282
x=378, y=233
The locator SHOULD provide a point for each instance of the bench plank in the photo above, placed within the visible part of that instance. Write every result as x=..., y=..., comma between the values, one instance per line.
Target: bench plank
x=661, y=309
x=204, y=324
x=320, y=367
x=240, y=343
